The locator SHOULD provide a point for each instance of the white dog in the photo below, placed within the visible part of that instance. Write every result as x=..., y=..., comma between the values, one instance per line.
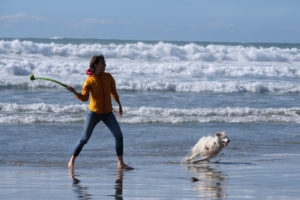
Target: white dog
x=208, y=147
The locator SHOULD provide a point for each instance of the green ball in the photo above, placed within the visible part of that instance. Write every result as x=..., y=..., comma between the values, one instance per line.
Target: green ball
x=31, y=77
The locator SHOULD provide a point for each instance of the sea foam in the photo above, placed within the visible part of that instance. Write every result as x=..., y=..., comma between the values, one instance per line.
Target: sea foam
x=166, y=85
x=54, y=113
x=28, y=65
x=159, y=51
x=159, y=66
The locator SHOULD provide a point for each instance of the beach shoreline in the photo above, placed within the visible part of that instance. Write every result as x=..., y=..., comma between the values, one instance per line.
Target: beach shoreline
x=241, y=173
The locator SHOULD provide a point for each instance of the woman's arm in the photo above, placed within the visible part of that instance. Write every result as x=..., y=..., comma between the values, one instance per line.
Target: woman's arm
x=72, y=90
x=81, y=97
x=120, y=108
x=115, y=95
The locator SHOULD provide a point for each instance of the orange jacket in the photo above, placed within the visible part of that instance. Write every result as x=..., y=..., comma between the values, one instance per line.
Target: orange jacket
x=100, y=87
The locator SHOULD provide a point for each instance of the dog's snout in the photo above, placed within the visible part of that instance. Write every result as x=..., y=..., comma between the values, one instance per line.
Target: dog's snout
x=228, y=141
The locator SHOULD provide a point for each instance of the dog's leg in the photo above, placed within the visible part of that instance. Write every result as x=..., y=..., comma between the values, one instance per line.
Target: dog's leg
x=191, y=158
x=200, y=160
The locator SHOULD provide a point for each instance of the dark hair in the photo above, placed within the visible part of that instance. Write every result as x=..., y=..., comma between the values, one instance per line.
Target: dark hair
x=96, y=60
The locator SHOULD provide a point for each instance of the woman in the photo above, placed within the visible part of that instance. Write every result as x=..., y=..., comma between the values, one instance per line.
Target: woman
x=100, y=85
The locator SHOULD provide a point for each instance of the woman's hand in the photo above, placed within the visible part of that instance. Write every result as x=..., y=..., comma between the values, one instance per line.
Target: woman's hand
x=120, y=111
x=71, y=89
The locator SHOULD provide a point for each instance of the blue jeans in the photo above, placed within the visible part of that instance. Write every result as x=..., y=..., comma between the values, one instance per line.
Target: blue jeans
x=91, y=121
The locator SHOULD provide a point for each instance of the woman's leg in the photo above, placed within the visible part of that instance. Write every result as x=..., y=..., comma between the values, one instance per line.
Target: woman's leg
x=111, y=122
x=91, y=120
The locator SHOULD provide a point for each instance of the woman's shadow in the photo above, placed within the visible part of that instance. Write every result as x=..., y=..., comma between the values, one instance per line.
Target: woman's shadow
x=82, y=191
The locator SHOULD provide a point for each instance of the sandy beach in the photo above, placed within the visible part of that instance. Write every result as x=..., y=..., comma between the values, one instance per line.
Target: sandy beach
x=239, y=173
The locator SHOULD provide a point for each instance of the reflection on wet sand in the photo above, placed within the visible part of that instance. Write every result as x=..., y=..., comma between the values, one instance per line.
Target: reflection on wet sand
x=119, y=185
x=211, y=182
x=82, y=192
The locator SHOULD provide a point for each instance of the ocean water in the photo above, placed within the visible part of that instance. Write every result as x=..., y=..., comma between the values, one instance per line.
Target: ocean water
x=172, y=94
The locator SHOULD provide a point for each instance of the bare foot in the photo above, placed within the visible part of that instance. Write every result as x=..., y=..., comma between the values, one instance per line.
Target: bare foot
x=71, y=163
x=124, y=166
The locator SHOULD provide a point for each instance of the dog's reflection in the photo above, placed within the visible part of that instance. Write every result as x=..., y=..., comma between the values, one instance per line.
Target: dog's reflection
x=83, y=194
x=211, y=182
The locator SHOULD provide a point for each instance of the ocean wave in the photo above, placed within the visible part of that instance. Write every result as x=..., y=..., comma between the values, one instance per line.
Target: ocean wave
x=204, y=86
x=167, y=85
x=70, y=67
x=47, y=66
x=53, y=113
x=160, y=51
x=42, y=108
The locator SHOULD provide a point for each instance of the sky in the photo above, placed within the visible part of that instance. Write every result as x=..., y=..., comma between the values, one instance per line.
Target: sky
x=173, y=20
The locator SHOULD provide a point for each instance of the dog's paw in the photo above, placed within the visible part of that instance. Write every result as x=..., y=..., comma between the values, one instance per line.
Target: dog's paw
x=202, y=160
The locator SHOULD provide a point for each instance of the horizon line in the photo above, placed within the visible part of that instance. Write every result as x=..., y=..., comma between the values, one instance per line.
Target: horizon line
x=150, y=40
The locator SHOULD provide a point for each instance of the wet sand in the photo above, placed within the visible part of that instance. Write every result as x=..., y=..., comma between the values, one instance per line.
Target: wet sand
x=258, y=179
x=33, y=163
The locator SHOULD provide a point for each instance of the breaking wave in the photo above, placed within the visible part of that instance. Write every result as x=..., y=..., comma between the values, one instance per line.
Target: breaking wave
x=71, y=67
x=228, y=86
x=159, y=51
x=157, y=66
x=54, y=113
x=168, y=85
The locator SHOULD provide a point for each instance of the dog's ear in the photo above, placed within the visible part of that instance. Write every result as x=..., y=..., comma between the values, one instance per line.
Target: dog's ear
x=218, y=134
